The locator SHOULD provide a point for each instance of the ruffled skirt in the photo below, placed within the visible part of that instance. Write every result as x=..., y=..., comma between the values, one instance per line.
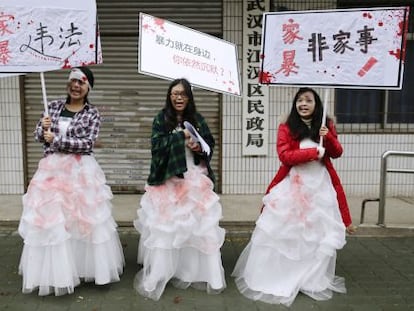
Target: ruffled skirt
x=180, y=237
x=293, y=247
x=68, y=230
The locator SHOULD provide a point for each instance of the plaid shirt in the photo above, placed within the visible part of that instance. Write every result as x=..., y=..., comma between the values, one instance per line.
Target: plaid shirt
x=168, y=150
x=81, y=133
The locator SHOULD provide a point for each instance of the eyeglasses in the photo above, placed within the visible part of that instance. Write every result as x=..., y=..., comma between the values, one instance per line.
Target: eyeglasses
x=183, y=95
x=80, y=82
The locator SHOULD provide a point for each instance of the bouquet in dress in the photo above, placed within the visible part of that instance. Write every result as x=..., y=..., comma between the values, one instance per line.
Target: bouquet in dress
x=195, y=136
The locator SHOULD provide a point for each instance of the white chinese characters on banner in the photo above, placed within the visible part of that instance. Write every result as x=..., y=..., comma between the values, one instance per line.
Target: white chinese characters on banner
x=255, y=96
x=45, y=35
x=169, y=51
x=356, y=48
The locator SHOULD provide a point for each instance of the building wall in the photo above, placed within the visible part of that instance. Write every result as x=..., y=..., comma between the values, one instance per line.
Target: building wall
x=359, y=167
x=11, y=146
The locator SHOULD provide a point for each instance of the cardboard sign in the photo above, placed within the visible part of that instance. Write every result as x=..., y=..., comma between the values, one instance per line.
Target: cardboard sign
x=170, y=51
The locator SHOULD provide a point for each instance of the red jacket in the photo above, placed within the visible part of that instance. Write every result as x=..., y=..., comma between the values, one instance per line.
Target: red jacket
x=290, y=154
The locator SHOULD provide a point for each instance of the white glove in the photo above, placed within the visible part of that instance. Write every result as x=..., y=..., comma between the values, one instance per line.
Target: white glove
x=321, y=152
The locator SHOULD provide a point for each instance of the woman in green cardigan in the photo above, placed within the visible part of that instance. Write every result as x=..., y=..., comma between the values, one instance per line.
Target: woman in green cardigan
x=178, y=222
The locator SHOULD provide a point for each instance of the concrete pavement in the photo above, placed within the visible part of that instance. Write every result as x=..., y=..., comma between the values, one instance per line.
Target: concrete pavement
x=240, y=212
x=379, y=274
x=377, y=263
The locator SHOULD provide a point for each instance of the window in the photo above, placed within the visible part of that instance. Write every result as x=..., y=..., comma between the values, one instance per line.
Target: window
x=386, y=111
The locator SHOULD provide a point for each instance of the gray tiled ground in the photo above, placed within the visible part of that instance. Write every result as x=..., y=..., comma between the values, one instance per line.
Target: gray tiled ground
x=379, y=275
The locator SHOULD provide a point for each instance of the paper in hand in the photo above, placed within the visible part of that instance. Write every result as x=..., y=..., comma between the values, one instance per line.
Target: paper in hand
x=195, y=136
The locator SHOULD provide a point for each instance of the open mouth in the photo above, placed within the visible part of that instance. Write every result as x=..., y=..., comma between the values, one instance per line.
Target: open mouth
x=75, y=92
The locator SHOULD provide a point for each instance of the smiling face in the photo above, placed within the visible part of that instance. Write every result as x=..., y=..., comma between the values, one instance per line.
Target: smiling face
x=305, y=105
x=179, y=98
x=77, y=89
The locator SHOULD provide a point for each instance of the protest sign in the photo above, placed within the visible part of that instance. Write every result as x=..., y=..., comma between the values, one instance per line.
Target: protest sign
x=348, y=48
x=169, y=51
x=39, y=36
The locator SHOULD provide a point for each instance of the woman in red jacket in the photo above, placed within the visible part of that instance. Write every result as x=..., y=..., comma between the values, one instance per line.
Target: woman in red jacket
x=305, y=214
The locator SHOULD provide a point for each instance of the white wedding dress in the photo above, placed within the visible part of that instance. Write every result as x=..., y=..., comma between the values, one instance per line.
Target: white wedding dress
x=180, y=237
x=293, y=246
x=67, y=226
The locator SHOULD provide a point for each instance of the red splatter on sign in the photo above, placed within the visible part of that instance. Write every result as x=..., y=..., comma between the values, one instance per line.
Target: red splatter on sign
x=367, y=15
x=265, y=77
x=160, y=23
x=66, y=64
x=397, y=53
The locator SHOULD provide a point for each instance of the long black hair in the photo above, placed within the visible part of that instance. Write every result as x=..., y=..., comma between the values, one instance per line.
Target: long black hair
x=188, y=113
x=299, y=129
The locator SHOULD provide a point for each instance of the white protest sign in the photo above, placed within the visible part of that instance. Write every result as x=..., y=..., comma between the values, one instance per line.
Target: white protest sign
x=353, y=48
x=169, y=51
x=38, y=36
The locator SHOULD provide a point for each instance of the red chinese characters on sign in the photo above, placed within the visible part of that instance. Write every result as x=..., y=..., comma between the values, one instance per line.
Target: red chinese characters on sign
x=288, y=66
x=4, y=45
x=4, y=52
x=290, y=32
x=4, y=27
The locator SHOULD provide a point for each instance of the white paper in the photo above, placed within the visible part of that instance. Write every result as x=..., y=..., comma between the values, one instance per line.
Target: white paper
x=40, y=36
x=195, y=136
x=169, y=51
x=352, y=48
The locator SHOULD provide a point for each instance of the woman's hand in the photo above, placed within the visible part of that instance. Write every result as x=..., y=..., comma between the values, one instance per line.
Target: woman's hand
x=186, y=133
x=46, y=123
x=351, y=229
x=323, y=131
x=48, y=135
x=194, y=146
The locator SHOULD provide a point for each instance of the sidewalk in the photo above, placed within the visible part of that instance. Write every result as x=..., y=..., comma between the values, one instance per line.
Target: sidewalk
x=377, y=264
x=241, y=211
x=378, y=273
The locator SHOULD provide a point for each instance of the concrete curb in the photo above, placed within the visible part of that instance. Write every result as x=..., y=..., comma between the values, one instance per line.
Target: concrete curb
x=245, y=229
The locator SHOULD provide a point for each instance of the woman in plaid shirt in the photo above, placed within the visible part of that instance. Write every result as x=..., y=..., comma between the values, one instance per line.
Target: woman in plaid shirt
x=68, y=230
x=180, y=237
